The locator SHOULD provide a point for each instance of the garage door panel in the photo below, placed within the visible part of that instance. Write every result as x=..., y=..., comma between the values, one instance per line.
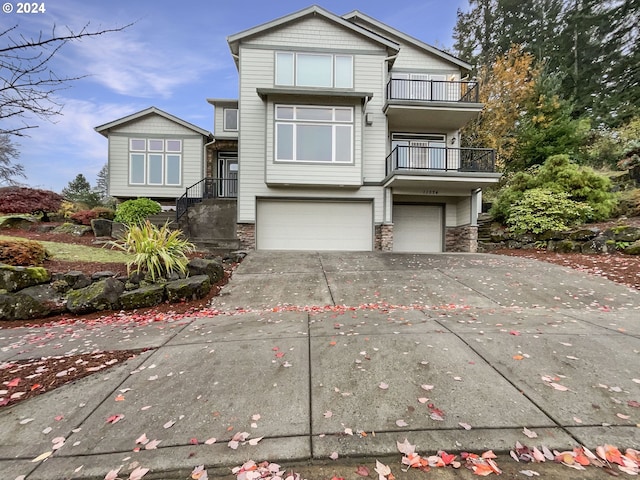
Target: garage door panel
x=417, y=228
x=314, y=225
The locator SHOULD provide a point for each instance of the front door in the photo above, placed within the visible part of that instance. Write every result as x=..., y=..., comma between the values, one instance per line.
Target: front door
x=228, y=177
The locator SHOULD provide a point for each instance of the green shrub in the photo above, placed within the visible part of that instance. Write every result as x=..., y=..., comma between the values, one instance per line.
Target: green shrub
x=22, y=253
x=135, y=212
x=560, y=175
x=540, y=210
x=156, y=251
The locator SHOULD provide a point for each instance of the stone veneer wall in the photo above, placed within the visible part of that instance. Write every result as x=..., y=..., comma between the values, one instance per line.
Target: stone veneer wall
x=461, y=239
x=384, y=237
x=247, y=235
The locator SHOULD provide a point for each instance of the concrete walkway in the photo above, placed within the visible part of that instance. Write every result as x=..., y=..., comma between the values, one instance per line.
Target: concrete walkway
x=317, y=353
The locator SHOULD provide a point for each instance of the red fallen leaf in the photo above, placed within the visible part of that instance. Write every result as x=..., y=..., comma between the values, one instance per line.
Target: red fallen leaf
x=337, y=478
x=362, y=471
x=193, y=441
x=279, y=354
x=515, y=333
x=633, y=403
x=447, y=458
x=115, y=418
x=14, y=383
x=35, y=386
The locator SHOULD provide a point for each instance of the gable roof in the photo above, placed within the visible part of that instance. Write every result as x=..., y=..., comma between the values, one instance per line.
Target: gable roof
x=104, y=129
x=356, y=15
x=234, y=40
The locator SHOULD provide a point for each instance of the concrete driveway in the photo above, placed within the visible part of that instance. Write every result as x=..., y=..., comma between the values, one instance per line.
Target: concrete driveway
x=348, y=352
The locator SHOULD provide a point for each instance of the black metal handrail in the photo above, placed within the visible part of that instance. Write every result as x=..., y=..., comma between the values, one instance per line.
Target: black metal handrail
x=407, y=158
x=209, y=187
x=432, y=90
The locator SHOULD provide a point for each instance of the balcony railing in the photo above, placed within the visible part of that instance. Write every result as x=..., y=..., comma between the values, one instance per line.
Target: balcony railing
x=206, y=188
x=410, y=158
x=432, y=90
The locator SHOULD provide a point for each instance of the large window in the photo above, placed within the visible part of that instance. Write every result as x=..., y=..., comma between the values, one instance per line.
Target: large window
x=314, y=70
x=314, y=134
x=155, y=161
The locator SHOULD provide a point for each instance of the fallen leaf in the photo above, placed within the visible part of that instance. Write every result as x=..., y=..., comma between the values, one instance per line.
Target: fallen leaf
x=152, y=445
x=427, y=387
x=14, y=383
x=138, y=473
x=255, y=441
x=210, y=441
x=169, y=424
x=328, y=414
x=42, y=456
x=334, y=456
x=362, y=471
x=423, y=400
x=529, y=433
x=383, y=386
x=623, y=416
x=466, y=426
x=199, y=473
x=405, y=447
x=401, y=423
x=115, y=418
x=382, y=470
x=112, y=474
x=559, y=387
x=518, y=357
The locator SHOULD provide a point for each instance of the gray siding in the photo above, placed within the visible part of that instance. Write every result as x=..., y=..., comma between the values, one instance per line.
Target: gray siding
x=153, y=127
x=315, y=32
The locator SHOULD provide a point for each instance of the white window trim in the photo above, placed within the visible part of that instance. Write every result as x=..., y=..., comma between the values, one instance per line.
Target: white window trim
x=164, y=154
x=333, y=57
x=333, y=123
x=224, y=120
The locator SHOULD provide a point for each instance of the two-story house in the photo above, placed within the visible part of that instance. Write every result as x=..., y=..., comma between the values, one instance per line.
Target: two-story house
x=347, y=136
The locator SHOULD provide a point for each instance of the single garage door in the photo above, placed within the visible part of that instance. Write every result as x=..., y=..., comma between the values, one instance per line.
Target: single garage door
x=314, y=225
x=417, y=228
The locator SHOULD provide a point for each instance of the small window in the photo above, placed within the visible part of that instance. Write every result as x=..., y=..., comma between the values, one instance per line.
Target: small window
x=174, y=145
x=284, y=68
x=321, y=70
x=156, y=145
x=231, y=119
x=137, y=144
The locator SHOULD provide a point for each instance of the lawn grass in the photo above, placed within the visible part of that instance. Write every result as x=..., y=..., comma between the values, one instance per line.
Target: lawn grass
x=78, y=253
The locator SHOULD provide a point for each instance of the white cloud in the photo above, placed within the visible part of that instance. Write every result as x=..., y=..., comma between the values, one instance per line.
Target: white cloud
x=56, y=152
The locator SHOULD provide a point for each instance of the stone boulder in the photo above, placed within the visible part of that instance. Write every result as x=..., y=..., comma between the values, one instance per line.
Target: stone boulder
x=190, y=288
x=583, y=234
x=142, y=297
x=72, y=229
x=212, y=268
x=16, y=278
x=563, y=246
x=17, y=306
x=633, y=249
x=101, y=227
x=101, y=295
x=72, y=280
x=50, y=301
x=595, y=245
x=23, y=223
x=625, y=233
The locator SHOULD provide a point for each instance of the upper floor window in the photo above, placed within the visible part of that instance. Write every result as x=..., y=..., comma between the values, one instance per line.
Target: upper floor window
x=155, y=161
x=231, y=119
x=314, y=70
x=314, y=134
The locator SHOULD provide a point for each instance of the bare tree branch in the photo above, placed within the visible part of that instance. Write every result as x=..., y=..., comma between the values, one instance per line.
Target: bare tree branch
x=27, y=85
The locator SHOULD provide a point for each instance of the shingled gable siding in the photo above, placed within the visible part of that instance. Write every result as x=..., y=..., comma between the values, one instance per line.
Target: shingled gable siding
x=257, y=59
x=153, y=126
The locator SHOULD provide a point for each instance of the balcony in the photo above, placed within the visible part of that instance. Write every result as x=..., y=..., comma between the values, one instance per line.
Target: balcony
x=439, y=167
x=445, y=105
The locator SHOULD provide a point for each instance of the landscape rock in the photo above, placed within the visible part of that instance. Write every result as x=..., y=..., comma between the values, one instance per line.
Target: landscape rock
x=210, y=267
x=583, y=234
x=190, y=288
x=24, y=223
x=142, y=297
x=51, y=302
x=72, y=229
x=633, y=249
x=102, y=274
x=102, y=295
x=101, y=227
x=16, y=278
x=17, y=306
x=624, y=233
x=595, y=245
x=73, y=279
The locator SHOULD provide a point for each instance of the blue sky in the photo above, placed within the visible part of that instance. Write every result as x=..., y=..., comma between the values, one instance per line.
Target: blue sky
x=173, y=57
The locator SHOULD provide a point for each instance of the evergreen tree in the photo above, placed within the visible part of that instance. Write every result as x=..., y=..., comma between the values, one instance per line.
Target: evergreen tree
x=79, y=191
x=8, y=168
x=102, y=182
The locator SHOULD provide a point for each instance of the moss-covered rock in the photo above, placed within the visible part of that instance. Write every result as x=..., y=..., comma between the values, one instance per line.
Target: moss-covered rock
x=623, y=233
x=73, y=279
x=17, y=278
x=190, y=288
x=73, y=229
x=633, y=249
x=50, y=300
x=146, y=296
x=212, y=268
x=17, y=306
x=102, y=295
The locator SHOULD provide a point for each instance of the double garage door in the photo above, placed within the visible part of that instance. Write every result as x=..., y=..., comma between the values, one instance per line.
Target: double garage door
x=418, y=228
x=314, y=225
